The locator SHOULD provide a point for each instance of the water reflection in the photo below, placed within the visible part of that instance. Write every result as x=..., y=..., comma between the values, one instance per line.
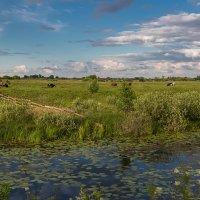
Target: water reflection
x=121, y=170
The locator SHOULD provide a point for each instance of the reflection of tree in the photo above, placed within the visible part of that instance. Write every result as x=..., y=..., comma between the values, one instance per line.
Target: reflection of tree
x=162, y=155
x=125, y=162
x=156, y=153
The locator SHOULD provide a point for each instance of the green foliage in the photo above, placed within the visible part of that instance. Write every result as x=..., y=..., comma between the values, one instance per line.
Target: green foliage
x=94, y=86
x=126, y=97
x=19, y=124
x=164, y=110
x=4, y=191
x=88, y=105
x=136, y=124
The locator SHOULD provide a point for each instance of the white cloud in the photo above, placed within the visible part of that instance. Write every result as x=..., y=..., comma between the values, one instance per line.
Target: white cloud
x=108, y=64
x=48, y=71
x=20, y=69
x=193, y=53
x=76, y=66
x=184, y=27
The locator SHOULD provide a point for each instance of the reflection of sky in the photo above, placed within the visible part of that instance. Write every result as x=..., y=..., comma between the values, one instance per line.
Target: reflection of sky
x=116, y=38
x=57, y=172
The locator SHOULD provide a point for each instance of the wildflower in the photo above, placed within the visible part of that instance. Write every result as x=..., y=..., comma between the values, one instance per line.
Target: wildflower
x=176, y=171
x=177, y=183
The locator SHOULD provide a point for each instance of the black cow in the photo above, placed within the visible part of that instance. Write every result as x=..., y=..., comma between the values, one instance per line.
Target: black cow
x=51, y=85
x=171, y=84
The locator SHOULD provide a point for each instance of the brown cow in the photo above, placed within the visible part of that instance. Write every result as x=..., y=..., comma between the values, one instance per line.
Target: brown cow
x=114, y=84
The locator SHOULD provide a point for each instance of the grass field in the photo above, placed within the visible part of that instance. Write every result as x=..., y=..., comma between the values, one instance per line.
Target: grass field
x=157, y=109
x=68, y=90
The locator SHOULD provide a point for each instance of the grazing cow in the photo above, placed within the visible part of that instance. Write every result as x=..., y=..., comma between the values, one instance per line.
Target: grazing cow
x=171, y=84
x=114, y=84
x=2, y=84
x=51, y=85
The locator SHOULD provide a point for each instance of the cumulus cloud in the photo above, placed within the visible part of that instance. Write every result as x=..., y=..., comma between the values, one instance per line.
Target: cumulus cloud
x=184, y=27
x=112, y=7
x=76, y=66
x=109, y=64
x=20, y=69
x=50, y=70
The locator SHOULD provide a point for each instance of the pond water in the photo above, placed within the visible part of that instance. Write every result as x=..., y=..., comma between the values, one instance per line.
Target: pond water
x=119, y=170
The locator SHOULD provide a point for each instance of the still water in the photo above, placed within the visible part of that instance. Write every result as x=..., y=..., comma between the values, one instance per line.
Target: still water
x=119, y=170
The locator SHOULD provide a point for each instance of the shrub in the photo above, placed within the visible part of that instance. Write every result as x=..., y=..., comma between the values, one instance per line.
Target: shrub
x=126, y=97
x=189, y=102
x=94, y=86
x=170, y=112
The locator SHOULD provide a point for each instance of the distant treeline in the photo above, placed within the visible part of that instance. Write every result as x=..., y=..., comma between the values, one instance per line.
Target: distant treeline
x=86, y=78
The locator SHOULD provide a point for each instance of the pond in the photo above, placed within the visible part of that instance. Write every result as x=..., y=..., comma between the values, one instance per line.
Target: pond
x=119, y=170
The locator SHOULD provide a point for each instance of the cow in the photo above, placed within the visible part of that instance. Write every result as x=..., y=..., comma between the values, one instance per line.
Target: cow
x=129, y=83
x=171, y=84
x=2, y=84
x=114, y=84
x=51, y=85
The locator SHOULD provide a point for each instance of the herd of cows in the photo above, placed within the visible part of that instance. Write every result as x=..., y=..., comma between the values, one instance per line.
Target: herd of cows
x=51, y=85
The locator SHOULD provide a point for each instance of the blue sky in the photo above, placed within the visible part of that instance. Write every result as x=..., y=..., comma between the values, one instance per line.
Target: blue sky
x=116, y=38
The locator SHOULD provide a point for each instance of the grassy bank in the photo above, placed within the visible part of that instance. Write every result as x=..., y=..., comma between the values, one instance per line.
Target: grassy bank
x=154, y=113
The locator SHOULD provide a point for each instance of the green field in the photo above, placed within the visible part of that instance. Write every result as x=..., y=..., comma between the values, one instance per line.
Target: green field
x=68, y=90
x=156, y=110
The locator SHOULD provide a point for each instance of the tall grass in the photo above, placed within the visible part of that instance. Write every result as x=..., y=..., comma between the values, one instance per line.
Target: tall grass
x=153, y=113
x=18, y=123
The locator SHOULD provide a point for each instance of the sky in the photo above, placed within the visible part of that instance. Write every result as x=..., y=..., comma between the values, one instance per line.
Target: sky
x=109, y=38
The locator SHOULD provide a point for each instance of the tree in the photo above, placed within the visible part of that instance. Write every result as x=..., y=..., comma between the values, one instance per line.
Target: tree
x=94, y=86
x=92, y=77
x=127, y=95
x=16, y=77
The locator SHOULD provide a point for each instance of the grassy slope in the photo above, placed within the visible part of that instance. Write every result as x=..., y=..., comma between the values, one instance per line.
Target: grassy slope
x=68, y=90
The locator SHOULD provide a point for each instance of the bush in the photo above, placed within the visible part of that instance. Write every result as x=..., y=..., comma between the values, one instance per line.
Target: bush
x=170, y=112
x=94, y=86
x=126, y=97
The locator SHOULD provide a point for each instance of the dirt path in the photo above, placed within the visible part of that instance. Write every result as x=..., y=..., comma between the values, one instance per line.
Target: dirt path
x=36, y=106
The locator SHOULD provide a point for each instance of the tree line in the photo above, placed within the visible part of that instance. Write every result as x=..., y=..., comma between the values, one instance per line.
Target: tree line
x=92, y=77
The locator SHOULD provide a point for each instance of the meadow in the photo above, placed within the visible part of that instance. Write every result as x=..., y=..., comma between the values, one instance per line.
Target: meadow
x=156, y=109
x=68, y=90
x=147, y=129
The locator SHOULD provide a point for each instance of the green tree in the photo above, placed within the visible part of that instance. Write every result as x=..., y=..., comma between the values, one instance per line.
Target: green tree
x=127, y=95
x=94, y=86
x=16, y=77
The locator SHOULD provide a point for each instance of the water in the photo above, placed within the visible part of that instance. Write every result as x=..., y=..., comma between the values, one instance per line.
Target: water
x=120, y=171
